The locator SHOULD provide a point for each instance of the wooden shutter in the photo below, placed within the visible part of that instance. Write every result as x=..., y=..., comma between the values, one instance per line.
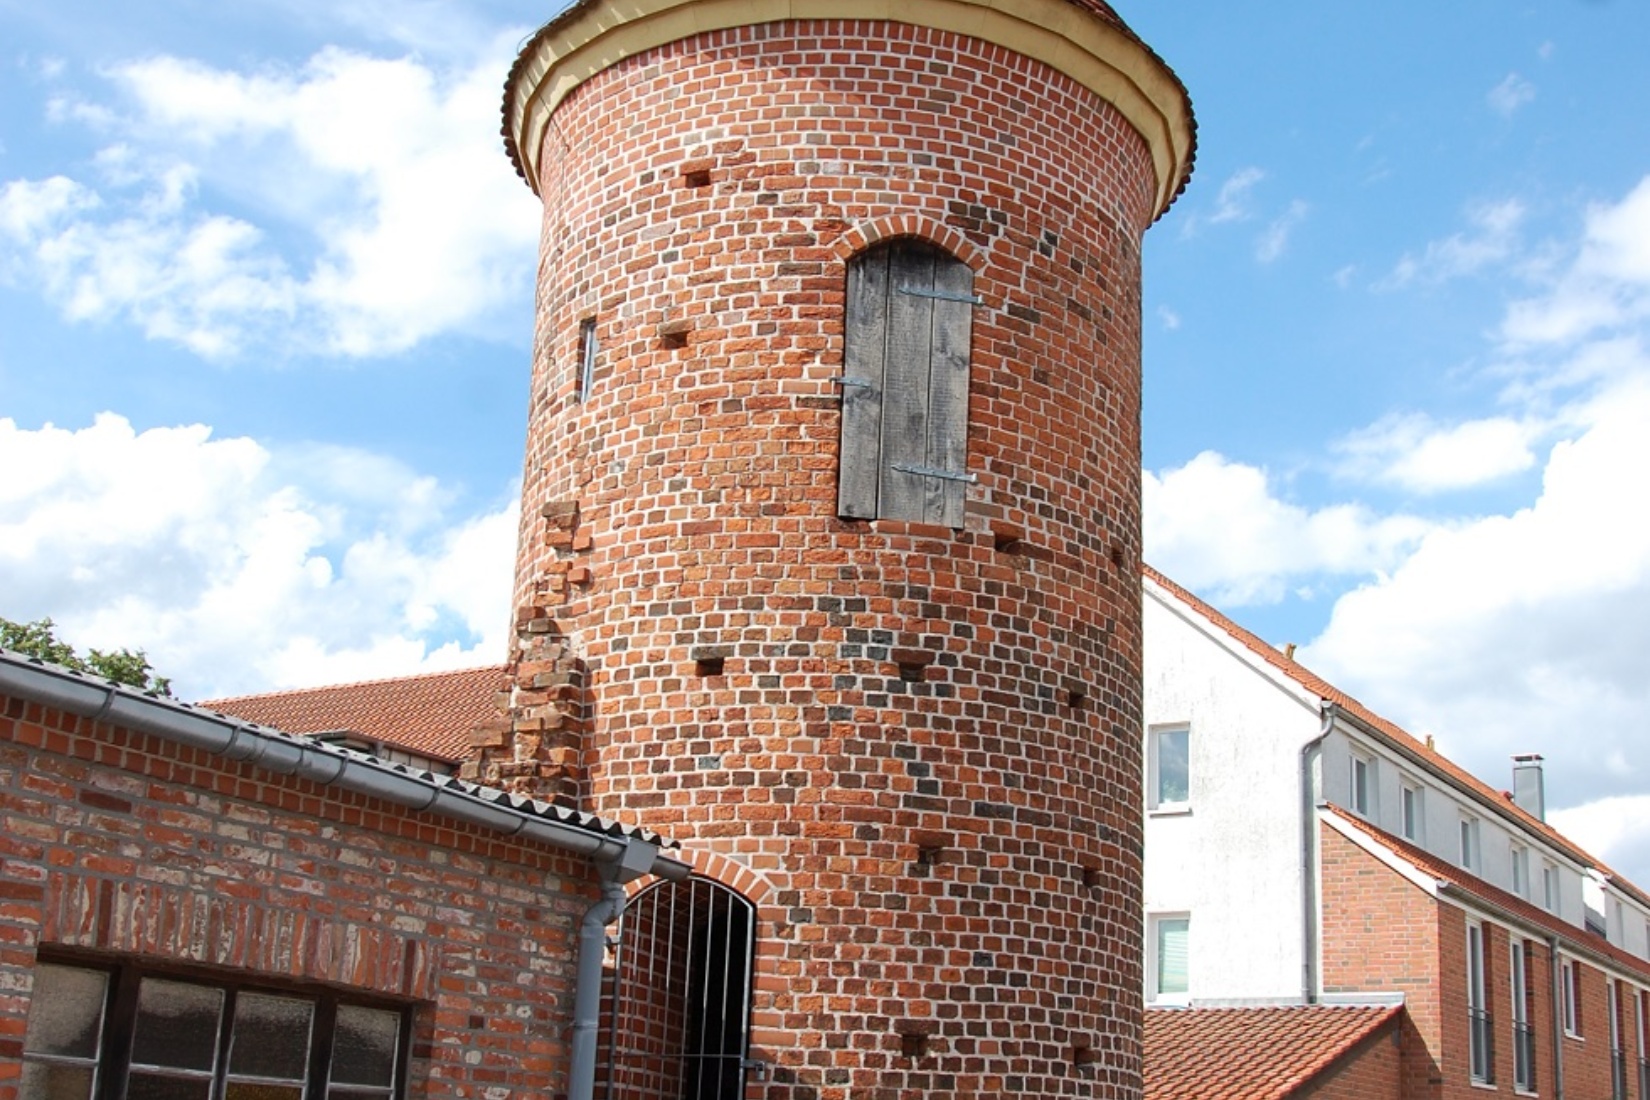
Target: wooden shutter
x=905, y=385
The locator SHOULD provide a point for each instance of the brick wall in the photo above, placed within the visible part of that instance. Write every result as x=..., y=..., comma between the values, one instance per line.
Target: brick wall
x=1372, y=1072
x=1383, y=934
x=121, y=844
x=926, y=741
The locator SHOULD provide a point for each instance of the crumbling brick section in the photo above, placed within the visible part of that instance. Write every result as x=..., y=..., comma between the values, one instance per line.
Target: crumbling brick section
x=533, y=746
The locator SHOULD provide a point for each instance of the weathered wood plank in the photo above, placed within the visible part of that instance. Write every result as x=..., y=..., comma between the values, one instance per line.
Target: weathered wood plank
x=906, y=370
x=948, y=392
x=866, y=336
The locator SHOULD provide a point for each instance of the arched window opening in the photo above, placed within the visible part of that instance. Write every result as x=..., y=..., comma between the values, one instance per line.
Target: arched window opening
x=678, y=1006
x=907, y=330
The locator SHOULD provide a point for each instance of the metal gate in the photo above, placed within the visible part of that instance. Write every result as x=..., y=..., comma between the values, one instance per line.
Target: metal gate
x=678, y=998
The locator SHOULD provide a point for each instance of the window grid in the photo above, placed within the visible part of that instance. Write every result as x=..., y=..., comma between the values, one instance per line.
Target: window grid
x=139, y=1033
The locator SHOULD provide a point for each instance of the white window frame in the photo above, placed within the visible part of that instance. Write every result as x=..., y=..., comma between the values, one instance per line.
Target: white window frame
x=1362, y=791
x=1518, y=980
x=1569, y=980
x=1550, y=900
x=1521, y=870
x=1154, y=786
x=1472, y=854
x=1479, y=1061
x=1612, y=1002
x=1154, y=959
x=1412, y=811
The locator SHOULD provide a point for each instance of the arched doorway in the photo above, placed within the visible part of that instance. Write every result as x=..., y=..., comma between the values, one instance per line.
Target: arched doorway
x=678, y=1003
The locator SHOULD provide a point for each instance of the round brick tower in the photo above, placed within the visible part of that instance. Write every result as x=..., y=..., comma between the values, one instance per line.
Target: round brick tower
x=831, y=507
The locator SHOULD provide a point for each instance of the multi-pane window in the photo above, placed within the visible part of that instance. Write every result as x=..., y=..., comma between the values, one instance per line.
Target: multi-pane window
x=1549, y=887
x=117, y=1031
x=1521, y=870
x=1171, y=944
x=1169, y=768
x=1410, y=796
x=907, y=332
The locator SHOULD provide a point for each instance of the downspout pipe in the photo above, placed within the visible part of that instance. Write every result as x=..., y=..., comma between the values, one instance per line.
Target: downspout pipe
x=1555, y=977
x=587, y=995
x=1310, y=754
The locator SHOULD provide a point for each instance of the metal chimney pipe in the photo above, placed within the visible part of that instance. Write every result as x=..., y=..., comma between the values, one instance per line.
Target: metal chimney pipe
x=1529, y=785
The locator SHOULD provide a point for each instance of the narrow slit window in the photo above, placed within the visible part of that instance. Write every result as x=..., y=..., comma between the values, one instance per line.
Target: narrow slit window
x=908, y=327
x=587, y=358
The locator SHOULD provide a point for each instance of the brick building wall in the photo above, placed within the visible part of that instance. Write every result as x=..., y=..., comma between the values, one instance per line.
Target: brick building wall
x=924, y=740
x=1381, y=933
x=1374, y=1071
x=117, y=845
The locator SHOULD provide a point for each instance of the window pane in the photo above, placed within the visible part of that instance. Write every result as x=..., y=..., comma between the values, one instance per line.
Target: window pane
x=1173, y=767
x=1171, y=955
x=155, y=1086
x=271, y=1037
x=177, y=1025
x=66, y=1011
x=1409, y=812
x=44, y=1082
x=363, y=1046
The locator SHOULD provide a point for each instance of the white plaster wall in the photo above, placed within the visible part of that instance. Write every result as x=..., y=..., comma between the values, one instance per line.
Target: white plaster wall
x=1233, y=860
x=1442, y=807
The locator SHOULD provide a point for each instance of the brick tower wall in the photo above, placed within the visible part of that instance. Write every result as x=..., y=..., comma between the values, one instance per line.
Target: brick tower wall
x=924, y=740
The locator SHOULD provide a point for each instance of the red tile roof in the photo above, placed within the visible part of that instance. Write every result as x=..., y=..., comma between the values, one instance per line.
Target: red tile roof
x=1253, y=1053
x=1466, y=882
x=431, y=715
x=1400, y=738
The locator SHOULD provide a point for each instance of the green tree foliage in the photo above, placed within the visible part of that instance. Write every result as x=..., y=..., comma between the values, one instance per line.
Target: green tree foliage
x=123, y=666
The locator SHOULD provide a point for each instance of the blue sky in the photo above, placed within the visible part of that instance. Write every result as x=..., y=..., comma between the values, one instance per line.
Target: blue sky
x=265, y=315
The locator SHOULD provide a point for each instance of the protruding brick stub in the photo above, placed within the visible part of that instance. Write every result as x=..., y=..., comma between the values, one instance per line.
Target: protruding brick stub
x=1084, y=39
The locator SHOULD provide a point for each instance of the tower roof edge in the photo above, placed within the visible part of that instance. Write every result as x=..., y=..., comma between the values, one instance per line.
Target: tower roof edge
x=1085, y=39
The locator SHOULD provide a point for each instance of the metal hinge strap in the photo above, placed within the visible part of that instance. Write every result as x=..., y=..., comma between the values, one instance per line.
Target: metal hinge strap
x=930, y=471
x=966, y=299
x=842, y=380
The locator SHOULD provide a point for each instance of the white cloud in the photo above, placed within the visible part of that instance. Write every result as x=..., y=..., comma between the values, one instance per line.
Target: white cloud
x=1414, y=452
x=1218, y=527
x=240, y=568
x=1616, y=830
x=1168, y=317
x=1606, y=287
x=375, y=208
x=1275, y=241
x=1492, y=236
x=1528, y=627
x=1511, y=94
x=1232, y=204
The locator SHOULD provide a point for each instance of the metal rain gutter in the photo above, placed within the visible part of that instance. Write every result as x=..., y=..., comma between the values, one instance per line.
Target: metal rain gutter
x=327, y=765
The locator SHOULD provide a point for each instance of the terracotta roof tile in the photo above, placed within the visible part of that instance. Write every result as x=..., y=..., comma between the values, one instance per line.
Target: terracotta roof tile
x=1251, y=1053
x=1466, y=882
x=1500, y=800
x=431, y=715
